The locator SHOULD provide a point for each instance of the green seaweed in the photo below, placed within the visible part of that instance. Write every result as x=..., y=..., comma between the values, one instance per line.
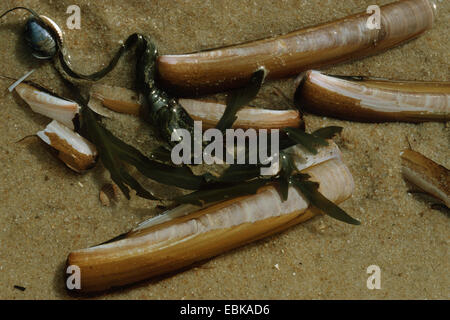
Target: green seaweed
x=114, y=153
x=309, y=141
x=241, y=97
x=237, y=180
x=310, y=190
x=221, y=192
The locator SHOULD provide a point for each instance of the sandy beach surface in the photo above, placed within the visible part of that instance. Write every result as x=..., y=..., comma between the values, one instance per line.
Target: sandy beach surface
x=47, y=211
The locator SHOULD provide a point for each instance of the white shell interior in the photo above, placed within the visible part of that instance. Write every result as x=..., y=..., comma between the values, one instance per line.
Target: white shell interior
x=78, y=143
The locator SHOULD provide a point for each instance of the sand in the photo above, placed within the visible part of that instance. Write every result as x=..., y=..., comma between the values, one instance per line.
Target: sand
x=46, y=210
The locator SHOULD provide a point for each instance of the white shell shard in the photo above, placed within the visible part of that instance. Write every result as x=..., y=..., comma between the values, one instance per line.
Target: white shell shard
x=74, y=139
x=64, y=111
x=77, y=153
x=20, y=80
x=305, y=160
x=179, y=211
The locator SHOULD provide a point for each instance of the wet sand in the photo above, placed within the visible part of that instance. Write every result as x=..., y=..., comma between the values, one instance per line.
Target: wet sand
x=46, y=210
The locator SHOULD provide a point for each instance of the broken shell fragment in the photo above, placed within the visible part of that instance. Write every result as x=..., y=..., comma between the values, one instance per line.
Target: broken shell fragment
x=109, y=192
x=54, y=27
x=427, y=175
x=62, y=110
x=75, y=151
x=118, y=99
x=104, y=199
x=372, y=99
x=164, y=245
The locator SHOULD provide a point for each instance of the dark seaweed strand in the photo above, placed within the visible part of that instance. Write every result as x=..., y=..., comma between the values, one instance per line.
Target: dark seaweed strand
x=310, y=190
x=160, y=110
x=66, y=65
x=19, y=287
x=241, y=97
x=165, y=112
x=20, y=8
x=114, y=153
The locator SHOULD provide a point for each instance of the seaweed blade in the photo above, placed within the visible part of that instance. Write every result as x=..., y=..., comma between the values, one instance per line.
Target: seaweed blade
x=310, y=190
x=327, y=132
x=240, y=98
x=102, y=138
x=222, y=193
x=113, y=152
x=307, y=140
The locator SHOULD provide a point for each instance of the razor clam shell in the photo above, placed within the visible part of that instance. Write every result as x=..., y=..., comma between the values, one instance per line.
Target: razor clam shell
x=373, y=100
x=426, y=174
x=64, y=111
x=75, y=151
x=302, y=160
x=211, y=112
x=127, y=101
x=286, y=55
x=118, y=99
x=205, y=233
